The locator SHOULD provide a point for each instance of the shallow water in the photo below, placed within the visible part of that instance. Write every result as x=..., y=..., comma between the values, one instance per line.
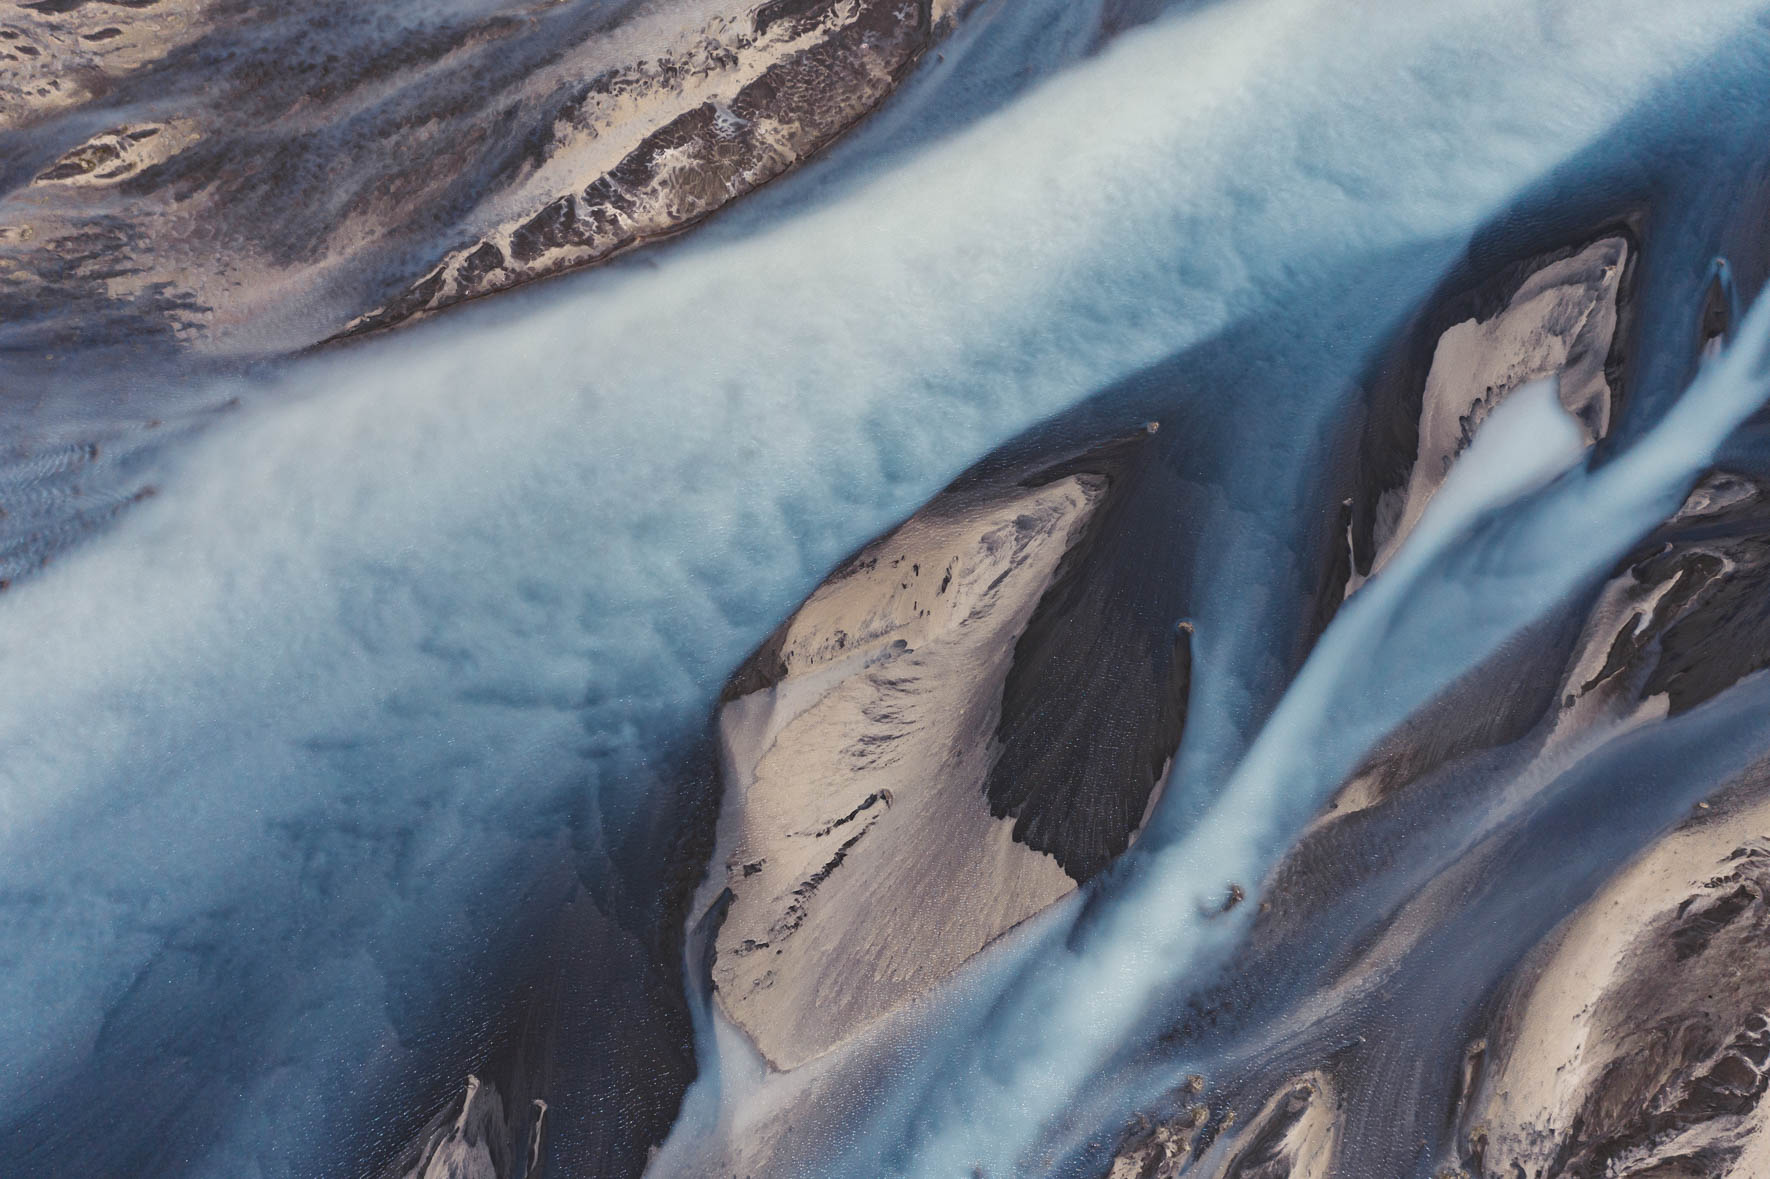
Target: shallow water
x=421, y=632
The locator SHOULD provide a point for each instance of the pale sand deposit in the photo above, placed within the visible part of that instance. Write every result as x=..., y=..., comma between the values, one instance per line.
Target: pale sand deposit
x=1635, y=1042
x=857, y=841
x=1292, y=1136
x=1560, y=322
x=234, y=181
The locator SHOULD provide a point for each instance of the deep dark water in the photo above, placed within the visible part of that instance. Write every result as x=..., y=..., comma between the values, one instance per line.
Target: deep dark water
x=372, y=750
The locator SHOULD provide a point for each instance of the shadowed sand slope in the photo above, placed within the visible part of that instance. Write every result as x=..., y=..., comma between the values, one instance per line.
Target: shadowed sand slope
x=1630, y=1042
x=864, y=850
x=864, y=862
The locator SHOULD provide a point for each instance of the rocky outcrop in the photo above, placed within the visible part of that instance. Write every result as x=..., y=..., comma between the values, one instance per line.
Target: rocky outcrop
x=1681, y=619
x=1556, y=314
x=1636, y=1042
x=202, y=174
x=827, y=64
x=1629, y=1044
x=1290, y=1136
x=58, y=54
x=1688, y=613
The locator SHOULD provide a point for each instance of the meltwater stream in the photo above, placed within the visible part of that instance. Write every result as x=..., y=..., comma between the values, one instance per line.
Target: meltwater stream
x=295, y=745
x=1510, y=536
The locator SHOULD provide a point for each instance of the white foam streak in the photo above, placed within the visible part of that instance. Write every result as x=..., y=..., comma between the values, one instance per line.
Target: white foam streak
x=1476, y=573
x=291, y=721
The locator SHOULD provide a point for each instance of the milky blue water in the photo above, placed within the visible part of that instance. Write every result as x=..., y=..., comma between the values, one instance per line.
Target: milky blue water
x=290, y=742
